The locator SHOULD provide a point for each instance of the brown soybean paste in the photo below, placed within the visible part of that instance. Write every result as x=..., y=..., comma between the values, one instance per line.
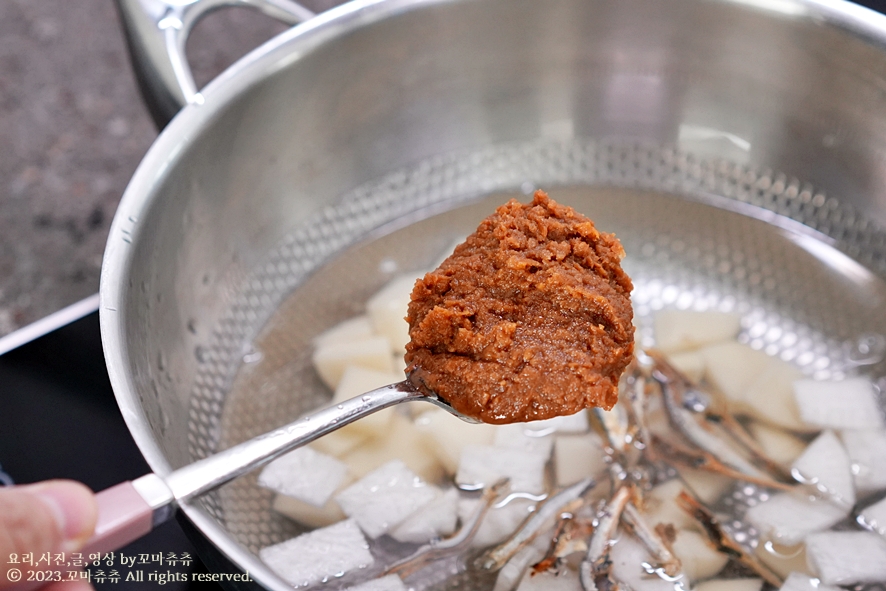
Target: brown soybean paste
x=530, y=317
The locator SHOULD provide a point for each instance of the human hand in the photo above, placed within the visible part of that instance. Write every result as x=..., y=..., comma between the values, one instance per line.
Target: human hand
x=51, y=516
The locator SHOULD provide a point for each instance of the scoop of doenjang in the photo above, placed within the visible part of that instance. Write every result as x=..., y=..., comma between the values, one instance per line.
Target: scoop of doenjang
x=528, y=319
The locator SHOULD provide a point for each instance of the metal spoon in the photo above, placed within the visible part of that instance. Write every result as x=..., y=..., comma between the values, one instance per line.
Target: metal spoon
x=130, y=510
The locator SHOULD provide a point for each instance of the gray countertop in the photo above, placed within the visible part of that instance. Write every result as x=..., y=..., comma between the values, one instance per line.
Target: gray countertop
x=73, y=129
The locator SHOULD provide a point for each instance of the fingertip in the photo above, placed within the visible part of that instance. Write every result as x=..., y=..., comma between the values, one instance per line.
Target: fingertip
x=72, y=505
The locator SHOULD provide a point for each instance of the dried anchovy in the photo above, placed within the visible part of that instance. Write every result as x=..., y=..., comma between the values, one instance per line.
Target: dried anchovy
x=722, y=541
x=658, y=545
x=677, y=455
x=596, y=567
x=456, y=543
x=711, y=407
x=684, y=423
x=568, y=499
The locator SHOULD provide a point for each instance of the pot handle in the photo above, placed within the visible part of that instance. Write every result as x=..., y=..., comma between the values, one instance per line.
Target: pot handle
x=156, y=33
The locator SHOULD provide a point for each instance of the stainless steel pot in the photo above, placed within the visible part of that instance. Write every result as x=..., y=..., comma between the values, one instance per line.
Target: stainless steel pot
x=738, y=147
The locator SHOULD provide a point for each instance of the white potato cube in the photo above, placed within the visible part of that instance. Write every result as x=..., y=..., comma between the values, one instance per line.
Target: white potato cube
x=788, y=518
x=446, y=435
x=707, y=486
x=331, y=360
x=689, y=363
x=801, y=582
x=306, y=514
x=749, y=584
x=520, y=436
x=660, y=506
x=499, y=523
x=304, y=474
x=777, y=444
x=680, y=330
x=384, y=498
x=387, y=311
x=577, y=457
x=699, y=560
x=732, y=367
x=574, y=423
x=867, y=452
x=628, y=556
x=310, y=558
x=434, y=520
x=353, y=329
x=770, y=396
x=847, y=557
x=826, y=465
x=484, y=465
x=846, y=404
x=874, y=517
x=339, y=442
x=402, y=442
x=358, y=380
x=783, y=560
x=388, y=583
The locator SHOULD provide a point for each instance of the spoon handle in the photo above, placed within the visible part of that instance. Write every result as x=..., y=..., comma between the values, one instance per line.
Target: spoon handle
x=204, y=475
x=130, y=510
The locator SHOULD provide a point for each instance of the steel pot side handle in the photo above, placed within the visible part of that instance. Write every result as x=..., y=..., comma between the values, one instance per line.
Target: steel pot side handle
x=157, y=32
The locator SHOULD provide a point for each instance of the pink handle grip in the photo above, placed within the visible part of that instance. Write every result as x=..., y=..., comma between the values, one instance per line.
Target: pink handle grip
x=123, y=516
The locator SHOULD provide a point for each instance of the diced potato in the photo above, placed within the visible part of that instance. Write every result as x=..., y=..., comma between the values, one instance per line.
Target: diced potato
x=357, y=380
x=446, y=435
x=788, y=518
x=847, y=557
x=681, y=330
x=577, y=457
x=867, y=452
x=574, y=423
x=339, y=442
x=306, y=514
x=777, y=444
x=319, y=555
x=499, y=523
x=732, y=367
x=826, y=464
x=519, y=436
x=484, y=465
x=699, y=560
x=689, y=363
x=707, y=486
x=770, y=396
x=331, y=360
x=388, y=583
x=436, y=519
x=402, y=442
x=874, y=517
x=385, y=497
x=783, y=560
x=387, y=311
x=304, y=474
x=628, y=556
x=846, y=404
x=749, y=584
x=353, y=329
x=800, y=582
x=660, y=506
